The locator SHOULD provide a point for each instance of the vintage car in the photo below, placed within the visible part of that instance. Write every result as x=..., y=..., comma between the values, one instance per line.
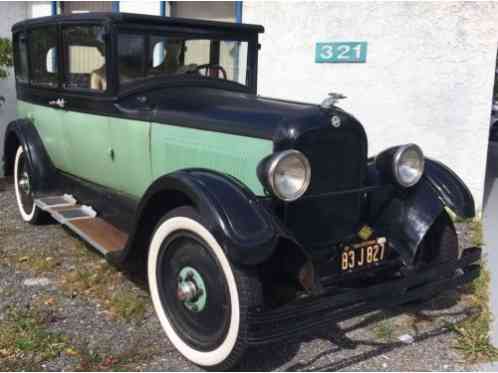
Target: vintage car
x=256, y=220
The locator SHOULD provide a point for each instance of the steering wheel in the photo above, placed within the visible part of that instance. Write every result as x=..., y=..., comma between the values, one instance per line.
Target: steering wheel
x=212, y=70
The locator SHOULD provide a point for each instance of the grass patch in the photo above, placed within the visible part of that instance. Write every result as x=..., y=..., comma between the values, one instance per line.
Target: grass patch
x=384, y=330
x=25, y=342
x=473, y=332
x=102, y=282
x=476, y=232
x=89, y=278
x=128, y=306
x=43, y=264
x=100, y=361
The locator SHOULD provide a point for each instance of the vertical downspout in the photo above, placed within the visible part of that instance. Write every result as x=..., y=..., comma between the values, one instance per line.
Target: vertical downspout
x=238, y=19
x=238, y=11
x=53, y=12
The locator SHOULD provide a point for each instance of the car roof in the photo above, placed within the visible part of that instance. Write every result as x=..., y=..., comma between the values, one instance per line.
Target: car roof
x=138, y=19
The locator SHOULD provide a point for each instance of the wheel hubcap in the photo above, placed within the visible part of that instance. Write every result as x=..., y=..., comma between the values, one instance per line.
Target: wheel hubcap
x=24, y=184
x=191, y=290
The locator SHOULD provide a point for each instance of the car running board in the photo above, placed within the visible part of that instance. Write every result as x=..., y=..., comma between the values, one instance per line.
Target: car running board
x=83, y=221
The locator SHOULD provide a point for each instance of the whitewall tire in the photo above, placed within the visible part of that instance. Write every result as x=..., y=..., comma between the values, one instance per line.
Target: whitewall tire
x=181, y=240
x=29, y=212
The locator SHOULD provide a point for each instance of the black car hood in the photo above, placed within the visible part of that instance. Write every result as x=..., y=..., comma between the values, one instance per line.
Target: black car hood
x=233, y=112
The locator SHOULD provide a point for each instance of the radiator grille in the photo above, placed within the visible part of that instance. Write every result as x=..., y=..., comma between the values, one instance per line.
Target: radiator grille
x=338, y=163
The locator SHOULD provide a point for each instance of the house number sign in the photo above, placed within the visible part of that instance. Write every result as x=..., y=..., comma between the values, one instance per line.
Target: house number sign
x=341, y=52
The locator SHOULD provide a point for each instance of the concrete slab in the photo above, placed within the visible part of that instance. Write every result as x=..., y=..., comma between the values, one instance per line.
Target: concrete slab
x=490, y=232
x=491, y=367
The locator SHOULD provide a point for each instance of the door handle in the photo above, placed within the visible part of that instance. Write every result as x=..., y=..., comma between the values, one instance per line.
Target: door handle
x=58, y=102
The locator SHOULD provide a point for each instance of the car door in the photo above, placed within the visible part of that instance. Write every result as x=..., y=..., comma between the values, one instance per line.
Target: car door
x=130, y=137
x=86, y=125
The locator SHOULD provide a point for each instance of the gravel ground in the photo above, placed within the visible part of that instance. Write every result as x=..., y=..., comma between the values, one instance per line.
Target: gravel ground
x=37, y=262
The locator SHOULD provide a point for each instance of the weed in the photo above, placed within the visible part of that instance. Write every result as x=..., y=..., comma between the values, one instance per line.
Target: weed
x=43, y=264
x=128, y=305
x=476, y=232
x=473, y=332
x=384, y=330
x=104, y=361
x=25, y=342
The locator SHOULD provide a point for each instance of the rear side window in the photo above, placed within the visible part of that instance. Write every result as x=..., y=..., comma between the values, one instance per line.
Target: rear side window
x=84, y=51
x=21, y=57
x=44, y=57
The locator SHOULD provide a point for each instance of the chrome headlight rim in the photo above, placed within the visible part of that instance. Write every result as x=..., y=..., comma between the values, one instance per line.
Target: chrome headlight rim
x=275, y=160
x=396, y=163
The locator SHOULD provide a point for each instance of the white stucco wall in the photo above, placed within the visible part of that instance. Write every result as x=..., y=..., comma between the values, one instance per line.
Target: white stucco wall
x=428, y=78
x=39, y=9
x=12, y=12
x=142, y=7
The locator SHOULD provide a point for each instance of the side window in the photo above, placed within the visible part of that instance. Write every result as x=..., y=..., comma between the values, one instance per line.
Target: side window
x=21, y=57
x=43, y=53
x=197, y=52
x=158, y=48
x=176, y=55
x=84, y=51
x=233, y=58
x=131, y=57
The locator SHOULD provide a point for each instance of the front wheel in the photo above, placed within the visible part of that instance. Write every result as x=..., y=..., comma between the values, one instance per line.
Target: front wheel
x=201, y=300
x=440, y=245
x=24, y=194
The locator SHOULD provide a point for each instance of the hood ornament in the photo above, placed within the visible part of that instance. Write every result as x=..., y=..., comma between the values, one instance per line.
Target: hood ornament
x=332, y=100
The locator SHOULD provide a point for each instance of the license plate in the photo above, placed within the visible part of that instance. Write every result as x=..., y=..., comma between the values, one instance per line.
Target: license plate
x=363, y=254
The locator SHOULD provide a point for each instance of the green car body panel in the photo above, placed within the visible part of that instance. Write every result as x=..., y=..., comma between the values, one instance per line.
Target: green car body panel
x=174, y=146
x=131, y=154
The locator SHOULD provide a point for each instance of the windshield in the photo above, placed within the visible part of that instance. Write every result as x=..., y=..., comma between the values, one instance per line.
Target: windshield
x=143, y=56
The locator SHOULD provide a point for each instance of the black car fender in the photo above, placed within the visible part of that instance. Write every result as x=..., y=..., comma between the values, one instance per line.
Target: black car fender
x=243, y=227
x=407, y=217
x=23, y=132
x=450, y=188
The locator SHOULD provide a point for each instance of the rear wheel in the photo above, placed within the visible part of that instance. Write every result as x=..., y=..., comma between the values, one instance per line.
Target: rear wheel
x=24, y=194
x=201, y=300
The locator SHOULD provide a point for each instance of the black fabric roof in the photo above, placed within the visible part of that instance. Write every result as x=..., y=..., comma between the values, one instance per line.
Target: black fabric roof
x=138, y=19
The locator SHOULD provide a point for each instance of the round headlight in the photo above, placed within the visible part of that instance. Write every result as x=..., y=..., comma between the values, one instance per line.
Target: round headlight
x=288, y=174
x=408, y=165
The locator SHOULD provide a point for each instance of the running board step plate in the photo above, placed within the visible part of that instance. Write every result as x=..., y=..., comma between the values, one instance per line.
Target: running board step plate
x=100, y=234
x=83, y=221
x=65, y=200
x=76, y=212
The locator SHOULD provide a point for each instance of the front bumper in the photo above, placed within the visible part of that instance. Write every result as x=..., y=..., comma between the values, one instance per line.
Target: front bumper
x=313, y=314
